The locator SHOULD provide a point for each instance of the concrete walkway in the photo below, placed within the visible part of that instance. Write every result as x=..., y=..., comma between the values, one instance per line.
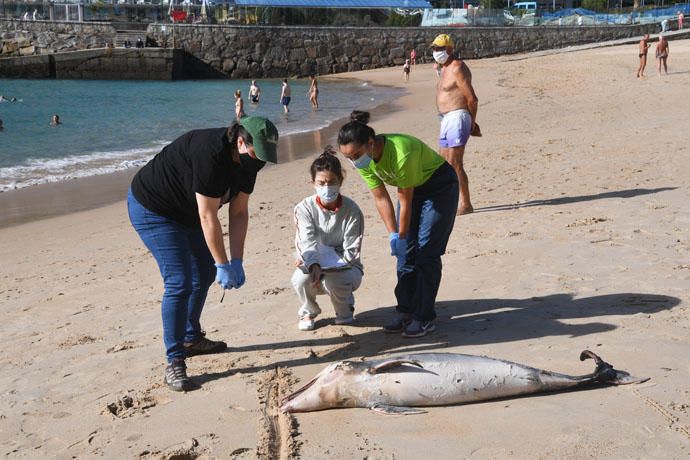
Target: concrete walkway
x=671, y=35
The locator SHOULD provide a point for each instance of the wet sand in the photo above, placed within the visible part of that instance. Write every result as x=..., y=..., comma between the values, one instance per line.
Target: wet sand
x=580, y=241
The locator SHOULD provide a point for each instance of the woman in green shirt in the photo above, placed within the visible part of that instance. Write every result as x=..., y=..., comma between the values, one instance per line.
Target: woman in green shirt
x=428, y=194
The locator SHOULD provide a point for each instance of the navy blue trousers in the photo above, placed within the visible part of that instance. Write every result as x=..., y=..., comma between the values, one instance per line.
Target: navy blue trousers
x=434, y=205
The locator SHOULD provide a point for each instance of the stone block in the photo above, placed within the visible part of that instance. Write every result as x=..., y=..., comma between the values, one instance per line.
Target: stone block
x=228, y=65
x=298, y=55
x=397, y=52
x=27, y=51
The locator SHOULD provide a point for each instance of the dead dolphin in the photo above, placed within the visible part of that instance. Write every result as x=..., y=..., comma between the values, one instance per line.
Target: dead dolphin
x=395, y=385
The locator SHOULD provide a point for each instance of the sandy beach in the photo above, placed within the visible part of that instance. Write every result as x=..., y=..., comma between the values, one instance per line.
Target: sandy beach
x=579, y=241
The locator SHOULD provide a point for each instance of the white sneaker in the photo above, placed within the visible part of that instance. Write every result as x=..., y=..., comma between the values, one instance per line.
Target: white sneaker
x=344, y=320
x=306, y=324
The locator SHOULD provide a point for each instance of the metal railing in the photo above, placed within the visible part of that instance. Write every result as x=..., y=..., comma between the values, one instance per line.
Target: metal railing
x=469, y=17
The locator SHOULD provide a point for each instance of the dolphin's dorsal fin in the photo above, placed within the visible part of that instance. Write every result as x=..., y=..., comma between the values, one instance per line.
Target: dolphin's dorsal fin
x=395, y=410
x=384, y=366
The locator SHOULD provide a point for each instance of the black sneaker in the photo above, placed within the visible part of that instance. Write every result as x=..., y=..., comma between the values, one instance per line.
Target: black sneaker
x=176, y=377
x=204, y=346
x=418, y=328
x=397, y=325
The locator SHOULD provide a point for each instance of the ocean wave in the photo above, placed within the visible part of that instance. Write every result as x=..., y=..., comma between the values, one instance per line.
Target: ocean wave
x=41, y=171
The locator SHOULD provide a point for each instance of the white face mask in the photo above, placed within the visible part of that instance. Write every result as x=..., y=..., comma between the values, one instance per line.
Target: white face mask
x=327, y=193
x=440, y=56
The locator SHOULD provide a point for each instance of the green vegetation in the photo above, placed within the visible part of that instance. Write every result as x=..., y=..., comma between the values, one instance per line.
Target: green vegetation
x=595, y=5
x=398, y=20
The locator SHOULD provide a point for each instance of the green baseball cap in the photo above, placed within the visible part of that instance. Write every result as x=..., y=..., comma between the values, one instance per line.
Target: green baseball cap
x=264, y=137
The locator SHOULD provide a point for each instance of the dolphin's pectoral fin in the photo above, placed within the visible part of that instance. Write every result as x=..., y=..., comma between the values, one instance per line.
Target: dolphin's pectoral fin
x=384, y=366
x=396, y=410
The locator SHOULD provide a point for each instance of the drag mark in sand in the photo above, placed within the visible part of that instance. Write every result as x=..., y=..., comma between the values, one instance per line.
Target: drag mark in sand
x=277, y=431
x=670, y=418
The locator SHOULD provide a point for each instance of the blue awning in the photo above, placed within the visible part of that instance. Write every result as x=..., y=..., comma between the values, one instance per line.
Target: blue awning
x=412, y=4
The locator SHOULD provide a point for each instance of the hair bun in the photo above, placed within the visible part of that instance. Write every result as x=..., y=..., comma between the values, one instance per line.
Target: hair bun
x=360, y=116
x=328, y=151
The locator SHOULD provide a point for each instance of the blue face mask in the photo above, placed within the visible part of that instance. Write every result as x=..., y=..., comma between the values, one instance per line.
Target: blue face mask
x=362, y=162
x=328, y=193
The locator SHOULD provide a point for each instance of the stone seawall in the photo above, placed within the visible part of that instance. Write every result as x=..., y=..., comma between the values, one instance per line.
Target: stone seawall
x=21, y=38
x=99, y=64
x=257, y=51
x=270, y=51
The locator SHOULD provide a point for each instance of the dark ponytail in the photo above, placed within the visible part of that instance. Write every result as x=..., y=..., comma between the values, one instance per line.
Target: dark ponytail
x=236, y=130
x=356, y=131
x=327, y=161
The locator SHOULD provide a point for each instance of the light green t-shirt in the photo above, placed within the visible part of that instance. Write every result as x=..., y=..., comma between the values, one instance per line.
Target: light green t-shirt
x=406, y=162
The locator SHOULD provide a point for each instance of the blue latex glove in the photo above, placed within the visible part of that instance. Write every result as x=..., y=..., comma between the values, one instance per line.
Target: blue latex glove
x=398, y=245
x=226, y=276
x=236, y=264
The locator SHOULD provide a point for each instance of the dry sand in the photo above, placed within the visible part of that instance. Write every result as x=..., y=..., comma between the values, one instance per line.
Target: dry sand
x=580, y=242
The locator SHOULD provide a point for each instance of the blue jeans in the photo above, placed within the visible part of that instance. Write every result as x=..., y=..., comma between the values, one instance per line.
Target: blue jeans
x=434, y=204
x=187, y=268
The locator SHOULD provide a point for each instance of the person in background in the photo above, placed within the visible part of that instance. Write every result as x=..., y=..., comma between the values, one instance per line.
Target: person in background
x=413, y=57
x=239, y=105
x=642, y=54
x=313, y=92
x=662, y=52
x=457, y=105
x=285, y=95
x=664, y=25
x=406, y=70
x=330, y=228
x=427, y=191
x=55, y=120
x=681, y=17
x=254, y=93
x=173, y=205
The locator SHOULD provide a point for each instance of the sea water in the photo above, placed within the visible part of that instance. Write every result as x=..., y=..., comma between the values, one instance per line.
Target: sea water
x=113, y=125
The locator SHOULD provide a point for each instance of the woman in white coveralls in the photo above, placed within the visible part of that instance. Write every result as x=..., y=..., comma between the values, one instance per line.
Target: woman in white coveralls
x=328, y=242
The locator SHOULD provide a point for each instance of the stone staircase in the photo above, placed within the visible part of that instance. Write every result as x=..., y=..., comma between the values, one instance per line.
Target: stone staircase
x=131, y=35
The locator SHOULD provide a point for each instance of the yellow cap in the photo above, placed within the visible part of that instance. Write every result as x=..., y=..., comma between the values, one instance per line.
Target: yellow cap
x=442, y=40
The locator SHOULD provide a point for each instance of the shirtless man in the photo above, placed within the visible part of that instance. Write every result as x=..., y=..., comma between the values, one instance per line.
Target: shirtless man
x=662, y=53
x=285, y=95
x=644, y=47
x=254, y=93
x=457, y=105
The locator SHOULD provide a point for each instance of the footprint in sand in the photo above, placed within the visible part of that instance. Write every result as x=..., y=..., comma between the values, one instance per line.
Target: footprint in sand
x=78, y=340
x=130, y=404
x=188, y=450
x=126, y=345
x=587, y=221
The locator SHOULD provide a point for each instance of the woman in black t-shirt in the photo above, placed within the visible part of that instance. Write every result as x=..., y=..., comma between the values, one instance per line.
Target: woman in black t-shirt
x=173, y=205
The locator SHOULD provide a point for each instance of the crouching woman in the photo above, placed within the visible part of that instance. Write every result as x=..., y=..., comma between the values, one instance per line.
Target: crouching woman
x=328, y=240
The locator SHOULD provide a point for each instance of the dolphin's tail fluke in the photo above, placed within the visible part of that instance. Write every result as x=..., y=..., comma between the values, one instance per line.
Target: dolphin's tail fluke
x=605, y=373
